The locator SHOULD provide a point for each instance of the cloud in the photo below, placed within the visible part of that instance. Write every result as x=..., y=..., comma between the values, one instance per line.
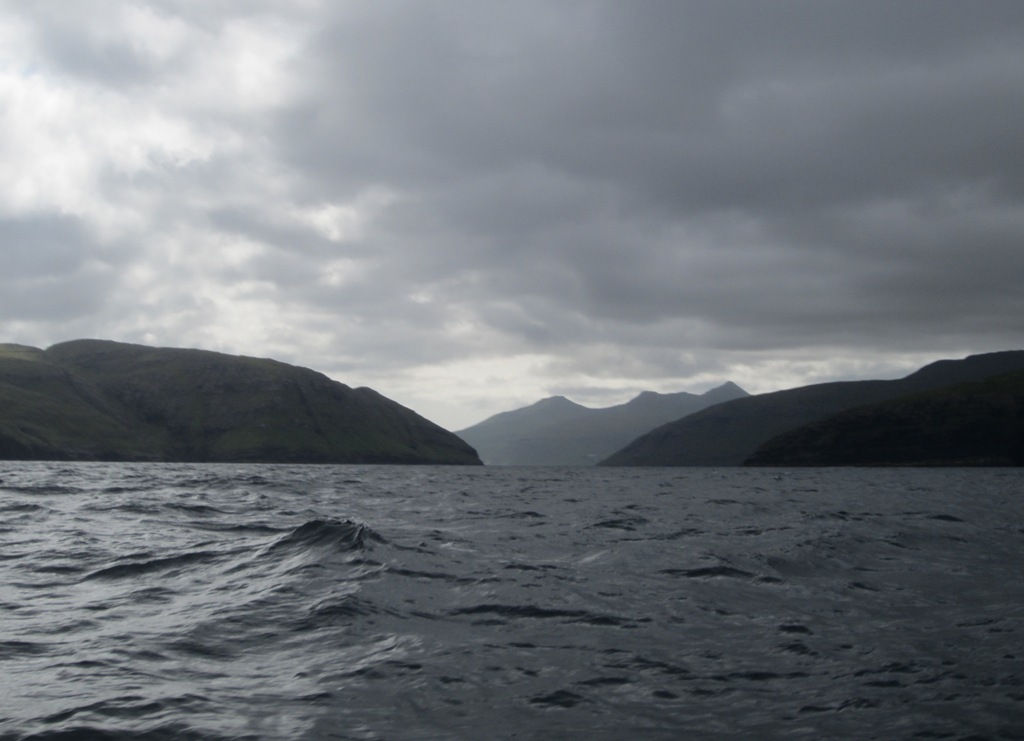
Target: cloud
x=469, y=205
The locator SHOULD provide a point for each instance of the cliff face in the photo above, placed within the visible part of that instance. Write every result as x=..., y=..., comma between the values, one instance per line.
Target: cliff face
x=728, y=434
x=98, y=400
x=975, y=424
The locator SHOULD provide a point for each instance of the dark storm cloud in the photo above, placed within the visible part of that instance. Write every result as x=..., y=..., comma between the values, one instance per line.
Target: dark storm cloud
x=787, y=168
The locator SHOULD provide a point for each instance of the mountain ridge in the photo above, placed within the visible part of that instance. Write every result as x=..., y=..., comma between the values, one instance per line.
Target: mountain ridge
x=557, y=431
x=729, y=433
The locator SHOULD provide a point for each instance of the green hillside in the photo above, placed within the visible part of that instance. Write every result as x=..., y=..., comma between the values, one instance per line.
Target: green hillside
x=973, y=424
x=728, y=434
x=99, y=400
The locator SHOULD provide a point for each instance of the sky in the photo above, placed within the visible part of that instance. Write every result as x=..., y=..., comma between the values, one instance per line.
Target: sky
x=470, y=205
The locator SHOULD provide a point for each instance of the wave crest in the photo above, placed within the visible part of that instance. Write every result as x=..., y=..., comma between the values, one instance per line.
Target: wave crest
x=343, y=535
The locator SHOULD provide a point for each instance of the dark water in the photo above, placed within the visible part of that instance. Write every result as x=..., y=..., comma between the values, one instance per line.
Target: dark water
x=276, y=602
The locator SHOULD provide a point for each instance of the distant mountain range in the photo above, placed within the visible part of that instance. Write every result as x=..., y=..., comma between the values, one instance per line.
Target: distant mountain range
x=733, y=433
x=99, y=400
x=559, y=432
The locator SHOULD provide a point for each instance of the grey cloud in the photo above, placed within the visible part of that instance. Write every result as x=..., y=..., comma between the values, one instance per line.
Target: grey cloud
x=53, y=269
x=106, y=61
x=653, y=189
x=759, y=168
x=641, y=95
x=737, y=187
x=45, y=245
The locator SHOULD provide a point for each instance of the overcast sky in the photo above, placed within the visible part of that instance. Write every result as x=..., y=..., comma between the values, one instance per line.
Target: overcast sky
x=470, y=205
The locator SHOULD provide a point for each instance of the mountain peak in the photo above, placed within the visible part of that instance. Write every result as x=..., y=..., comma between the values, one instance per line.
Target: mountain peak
x=555, y=402
x=647, y=399
x=646, y=396
x=727, y=390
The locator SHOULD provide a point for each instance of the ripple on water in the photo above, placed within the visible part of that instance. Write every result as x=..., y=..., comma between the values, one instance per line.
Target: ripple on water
x=375, y=602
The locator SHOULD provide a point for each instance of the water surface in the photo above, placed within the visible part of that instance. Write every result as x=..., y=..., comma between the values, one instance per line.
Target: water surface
x=361, y=602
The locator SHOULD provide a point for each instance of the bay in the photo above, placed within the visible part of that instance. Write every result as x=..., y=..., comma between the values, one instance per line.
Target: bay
x=375, y=602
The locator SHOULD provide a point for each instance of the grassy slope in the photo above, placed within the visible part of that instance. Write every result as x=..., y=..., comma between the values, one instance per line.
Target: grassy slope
x=727, y=434
x=48, y=412
x=980, y=423
x=192, y=405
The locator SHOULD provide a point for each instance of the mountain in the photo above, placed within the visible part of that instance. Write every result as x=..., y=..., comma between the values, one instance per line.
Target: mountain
x=972, y=424
x=100, y=400
x=729, y=433
x=559, y=432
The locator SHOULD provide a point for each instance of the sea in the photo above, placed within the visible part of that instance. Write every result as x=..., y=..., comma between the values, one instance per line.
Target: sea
x=174, y=601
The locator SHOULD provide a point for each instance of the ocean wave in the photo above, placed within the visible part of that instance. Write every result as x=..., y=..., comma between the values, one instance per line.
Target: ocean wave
x=710, y=572
x=343, y=535
x=163, y=732
x=151, y=565
x=534, y=612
